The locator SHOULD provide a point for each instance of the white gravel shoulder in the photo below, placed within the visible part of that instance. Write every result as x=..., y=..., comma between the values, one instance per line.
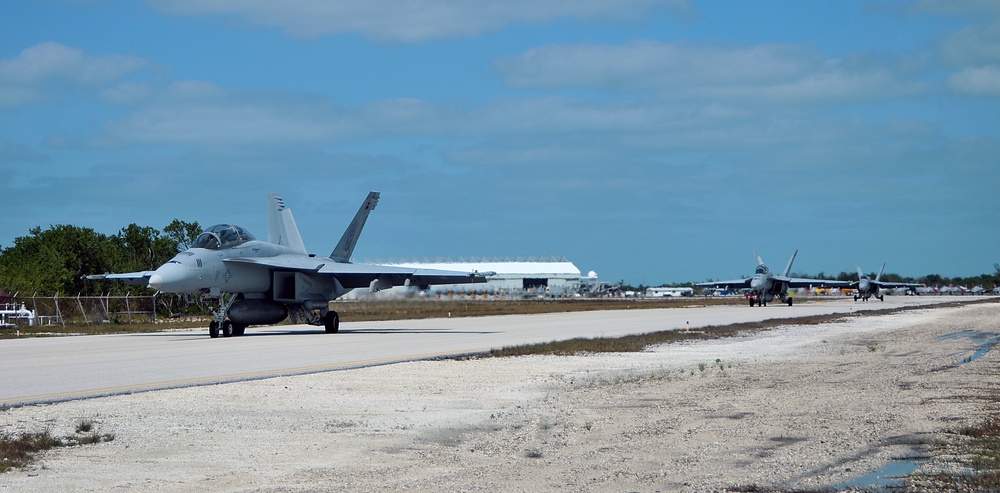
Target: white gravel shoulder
x=795, y=407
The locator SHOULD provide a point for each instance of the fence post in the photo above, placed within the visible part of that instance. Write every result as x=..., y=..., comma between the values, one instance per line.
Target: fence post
x=82, y=311
x=55, y=299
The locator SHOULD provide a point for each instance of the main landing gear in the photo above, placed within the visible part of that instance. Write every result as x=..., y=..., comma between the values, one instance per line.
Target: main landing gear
x=761, y=300
x=220, y=324
x=310, y=314
x=331, y=322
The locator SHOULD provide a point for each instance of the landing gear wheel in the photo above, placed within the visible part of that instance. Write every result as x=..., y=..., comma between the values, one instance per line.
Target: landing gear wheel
x=331, y=321
x=752, y=301
x=227, y=328
x=239, y=329
x=789, y=301
x=881, y=298
x=213, y=329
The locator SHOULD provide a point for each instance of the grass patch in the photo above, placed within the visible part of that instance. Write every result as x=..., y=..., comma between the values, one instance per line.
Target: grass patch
x=19, y=451
x=401, y=309
x=435, y=307
x=980, y=453
x=639, y=342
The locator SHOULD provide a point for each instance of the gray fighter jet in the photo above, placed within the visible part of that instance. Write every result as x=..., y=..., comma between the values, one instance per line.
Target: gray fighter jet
x=765, y=285
x=262, y=283
x=868, y=288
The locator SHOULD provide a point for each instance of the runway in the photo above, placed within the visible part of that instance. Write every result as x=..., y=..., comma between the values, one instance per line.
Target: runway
x=65, y=368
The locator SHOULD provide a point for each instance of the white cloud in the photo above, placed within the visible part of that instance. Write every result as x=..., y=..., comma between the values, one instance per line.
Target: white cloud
x=233, y=119
x=651, y=65
x=412, y=21
x=977, y=44
x=25, y=78
x=977, y=81
x=775, y=74
x=56, y=61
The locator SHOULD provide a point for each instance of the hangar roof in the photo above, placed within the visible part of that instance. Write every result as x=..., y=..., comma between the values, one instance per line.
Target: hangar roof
x=541, y=269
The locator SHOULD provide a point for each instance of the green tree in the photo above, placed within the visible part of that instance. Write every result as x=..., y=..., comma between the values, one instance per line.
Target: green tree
x=143, y=248
x=182, y=233
x=51, y=261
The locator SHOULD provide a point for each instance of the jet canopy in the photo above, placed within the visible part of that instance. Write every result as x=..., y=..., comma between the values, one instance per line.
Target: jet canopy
x=222, y=236
x=761, y=269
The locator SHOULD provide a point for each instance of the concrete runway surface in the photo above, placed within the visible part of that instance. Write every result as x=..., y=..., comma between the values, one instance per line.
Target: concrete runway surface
x=63, y=368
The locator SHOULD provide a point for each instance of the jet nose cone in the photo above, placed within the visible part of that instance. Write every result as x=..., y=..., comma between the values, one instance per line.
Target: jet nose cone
x=156, y=281
x=756, y=283
x=168, y=278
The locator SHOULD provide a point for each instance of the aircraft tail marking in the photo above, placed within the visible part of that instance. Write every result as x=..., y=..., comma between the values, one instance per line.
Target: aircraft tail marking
x=281, y=227
x=343, y=251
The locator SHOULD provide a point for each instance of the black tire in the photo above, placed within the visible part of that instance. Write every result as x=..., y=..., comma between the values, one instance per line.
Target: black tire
x=239, y=329
x=213, y=329
x=752, y=301
x=789, y=301
x=331, y=321
x=227, y=328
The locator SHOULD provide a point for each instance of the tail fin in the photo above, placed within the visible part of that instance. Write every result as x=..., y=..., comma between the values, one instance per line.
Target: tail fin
x=760, y=261
x=344, y=249
x=281, y=227
x=880, y=272
x=788, y=268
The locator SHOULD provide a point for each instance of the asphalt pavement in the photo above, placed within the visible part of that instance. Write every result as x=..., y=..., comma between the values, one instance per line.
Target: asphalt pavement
x=63, y=368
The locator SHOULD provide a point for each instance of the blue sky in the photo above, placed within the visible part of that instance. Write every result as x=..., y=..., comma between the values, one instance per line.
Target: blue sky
x=650, y=141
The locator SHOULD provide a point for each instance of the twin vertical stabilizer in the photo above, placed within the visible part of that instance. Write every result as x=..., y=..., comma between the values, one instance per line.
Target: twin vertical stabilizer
x=788, y=268
x=344, y=250
x=281, y=227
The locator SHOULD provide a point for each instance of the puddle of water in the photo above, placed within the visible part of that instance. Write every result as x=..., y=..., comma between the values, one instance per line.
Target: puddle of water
x=888, y=476
x=986, y=341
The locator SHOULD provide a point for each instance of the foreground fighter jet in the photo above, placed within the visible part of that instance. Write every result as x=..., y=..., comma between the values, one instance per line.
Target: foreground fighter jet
x=261, y=283
x=765, y=285
x=868, y=288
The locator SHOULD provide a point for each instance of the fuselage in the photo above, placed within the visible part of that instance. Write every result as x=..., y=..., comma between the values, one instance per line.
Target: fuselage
x=202, y=270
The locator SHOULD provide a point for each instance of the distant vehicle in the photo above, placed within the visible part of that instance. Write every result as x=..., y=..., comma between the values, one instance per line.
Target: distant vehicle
x=262, y=283
x=868, y=288
x=765, y=285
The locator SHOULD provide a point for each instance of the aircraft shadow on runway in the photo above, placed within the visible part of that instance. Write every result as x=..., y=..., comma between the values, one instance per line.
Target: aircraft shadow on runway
x=262, y=332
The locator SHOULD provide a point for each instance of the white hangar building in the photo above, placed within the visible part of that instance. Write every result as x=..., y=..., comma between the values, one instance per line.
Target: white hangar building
x=531, y=276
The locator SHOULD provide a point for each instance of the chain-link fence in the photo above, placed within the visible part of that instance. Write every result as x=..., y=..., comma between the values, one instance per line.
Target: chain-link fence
x=62, y=310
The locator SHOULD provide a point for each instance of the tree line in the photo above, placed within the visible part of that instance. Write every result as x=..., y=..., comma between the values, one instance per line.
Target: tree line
x=54, y=261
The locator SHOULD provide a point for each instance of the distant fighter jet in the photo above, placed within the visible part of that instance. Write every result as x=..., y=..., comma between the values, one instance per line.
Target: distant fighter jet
x=765, y=285
x=261, y=283
x=868, y=288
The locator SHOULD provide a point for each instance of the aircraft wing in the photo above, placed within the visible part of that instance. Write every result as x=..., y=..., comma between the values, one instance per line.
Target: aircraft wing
x=130, y=278
x=799, y=282
x=734, y=284
x=891, y=285
x=364, y=275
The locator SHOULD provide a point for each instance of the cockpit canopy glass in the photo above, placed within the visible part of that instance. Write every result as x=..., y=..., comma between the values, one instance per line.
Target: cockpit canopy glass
x=222, y=236
x=761, y=269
